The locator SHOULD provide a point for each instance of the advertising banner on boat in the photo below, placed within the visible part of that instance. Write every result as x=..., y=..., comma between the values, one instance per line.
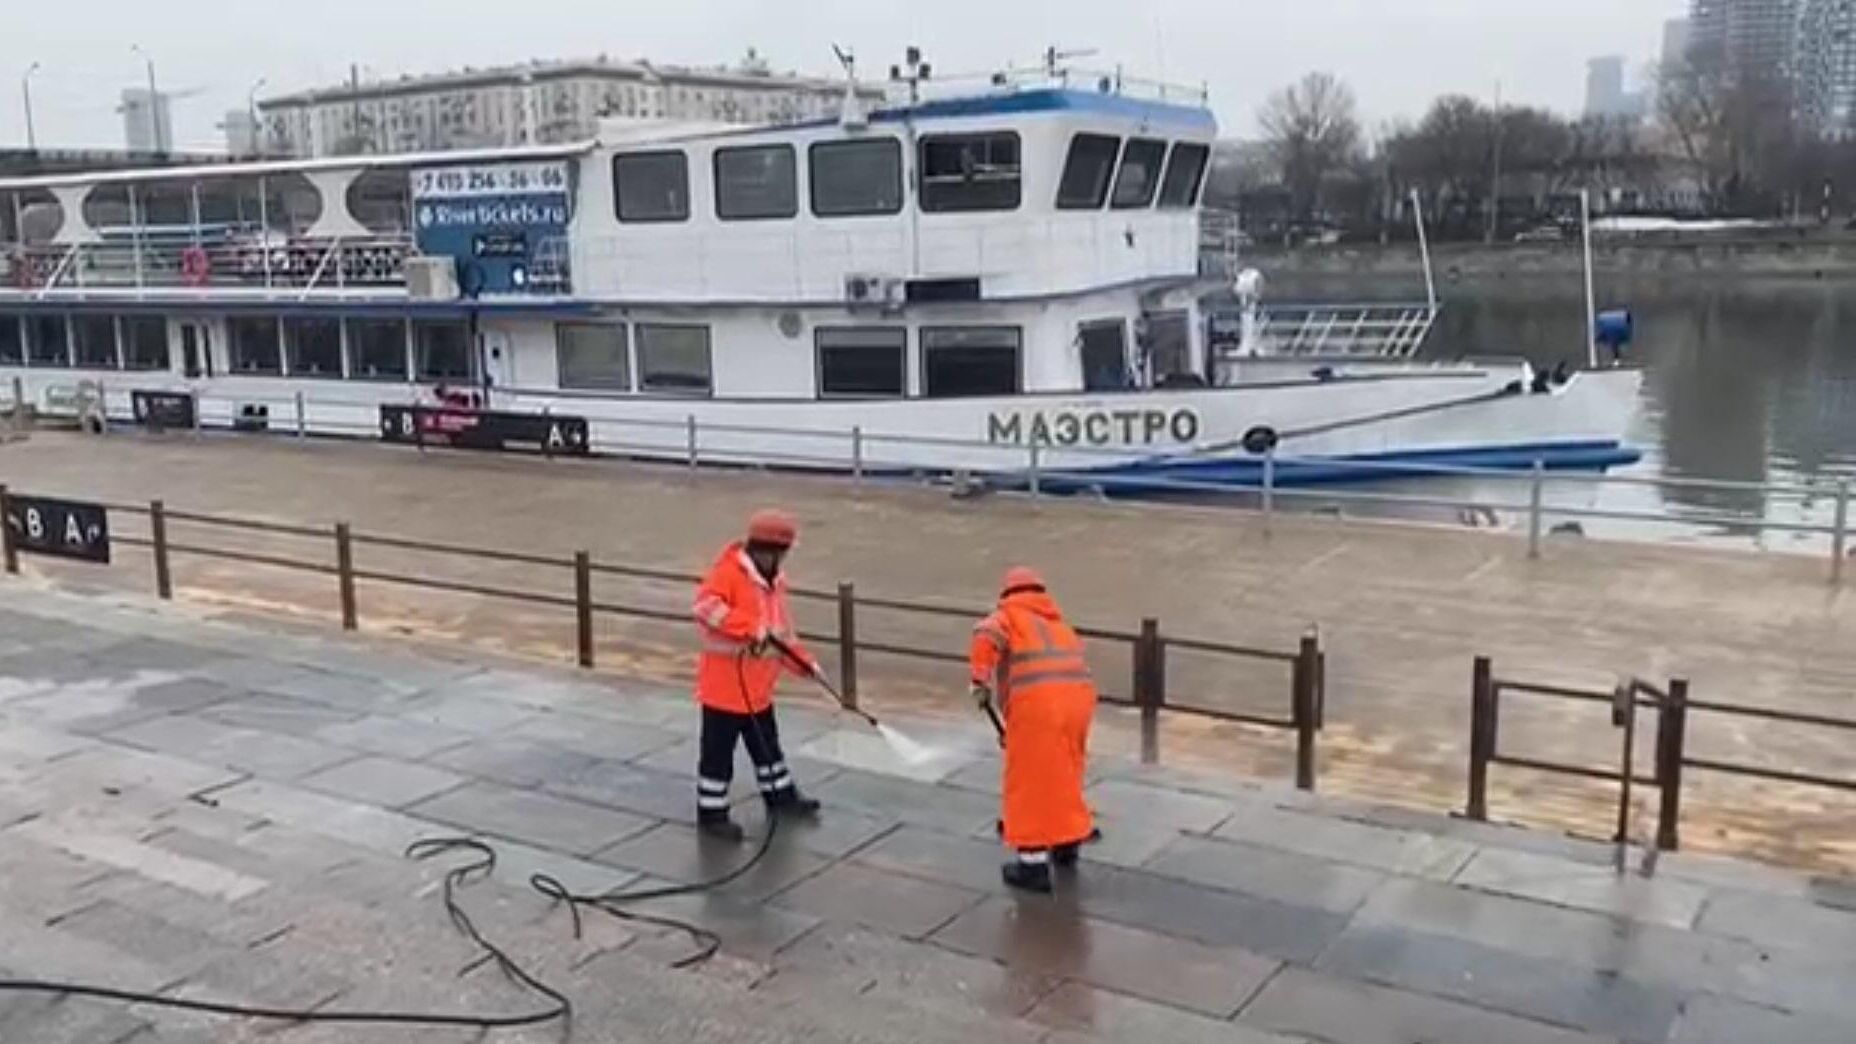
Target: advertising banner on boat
x=158, y=410
x=505, y=223
x=549, y=433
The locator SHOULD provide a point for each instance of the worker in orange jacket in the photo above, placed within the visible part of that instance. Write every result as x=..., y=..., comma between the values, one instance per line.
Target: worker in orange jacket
x=1028, y=659
x=741, y=609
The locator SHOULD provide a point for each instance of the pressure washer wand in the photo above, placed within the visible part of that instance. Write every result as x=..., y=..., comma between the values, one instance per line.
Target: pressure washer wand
x=998, y=725
x=823, y=682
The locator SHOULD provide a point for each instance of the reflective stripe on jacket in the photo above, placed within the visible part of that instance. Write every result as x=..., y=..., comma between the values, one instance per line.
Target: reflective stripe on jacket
x=733, y=605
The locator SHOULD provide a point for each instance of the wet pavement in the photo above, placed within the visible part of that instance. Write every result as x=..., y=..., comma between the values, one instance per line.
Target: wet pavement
x=201, y=803
x=1402, y=609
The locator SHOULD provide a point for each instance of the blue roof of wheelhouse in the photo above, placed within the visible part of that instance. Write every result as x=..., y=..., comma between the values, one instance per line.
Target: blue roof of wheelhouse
x=1184, y=117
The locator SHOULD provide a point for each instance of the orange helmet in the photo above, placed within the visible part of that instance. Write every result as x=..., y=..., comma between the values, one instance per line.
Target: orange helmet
x=1020, y=578
x=772, y=526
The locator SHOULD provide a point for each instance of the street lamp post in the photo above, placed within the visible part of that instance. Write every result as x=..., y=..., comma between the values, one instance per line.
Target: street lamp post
x=25, y=90
x=154, y=102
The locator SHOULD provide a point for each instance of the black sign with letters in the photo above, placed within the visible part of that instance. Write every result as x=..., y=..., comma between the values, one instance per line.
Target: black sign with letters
x=464, y=428
x=62, y=528
x=161, y=409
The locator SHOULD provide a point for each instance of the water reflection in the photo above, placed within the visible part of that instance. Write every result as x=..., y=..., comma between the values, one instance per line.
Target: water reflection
x=1748, y=381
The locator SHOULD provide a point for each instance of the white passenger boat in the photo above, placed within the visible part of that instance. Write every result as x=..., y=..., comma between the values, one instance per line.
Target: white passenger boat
x=995, y=281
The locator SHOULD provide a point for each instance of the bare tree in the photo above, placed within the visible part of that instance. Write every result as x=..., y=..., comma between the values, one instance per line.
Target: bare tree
x=1313, y=130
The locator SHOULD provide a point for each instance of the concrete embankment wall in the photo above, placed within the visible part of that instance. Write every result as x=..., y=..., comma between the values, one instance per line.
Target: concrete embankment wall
x=1802, y=258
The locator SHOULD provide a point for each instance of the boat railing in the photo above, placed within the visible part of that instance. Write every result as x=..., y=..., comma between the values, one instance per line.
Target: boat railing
x=155, y=260
x=1394, y=330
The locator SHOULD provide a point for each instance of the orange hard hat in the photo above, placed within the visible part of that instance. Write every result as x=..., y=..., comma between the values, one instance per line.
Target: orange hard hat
x=772, y=526
x=1019, y=578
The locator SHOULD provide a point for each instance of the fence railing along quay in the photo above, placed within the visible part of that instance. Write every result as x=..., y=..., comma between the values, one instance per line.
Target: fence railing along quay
x=1676, y=716
x=331, y=551
x=1025, y=470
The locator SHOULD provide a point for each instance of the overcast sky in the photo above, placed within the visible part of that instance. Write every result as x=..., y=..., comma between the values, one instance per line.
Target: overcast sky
x=1397, y=54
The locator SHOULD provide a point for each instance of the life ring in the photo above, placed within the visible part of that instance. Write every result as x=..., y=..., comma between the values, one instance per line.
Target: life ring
x=196, y=266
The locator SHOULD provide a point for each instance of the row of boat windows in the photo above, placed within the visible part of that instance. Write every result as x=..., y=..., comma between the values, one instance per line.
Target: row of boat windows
x=262, y=346
x=957, y=173
x=866, y=362
x=656, y=358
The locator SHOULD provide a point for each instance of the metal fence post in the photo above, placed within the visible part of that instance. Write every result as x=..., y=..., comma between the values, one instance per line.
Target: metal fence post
x=344, y=574
x=1671, y=745
x=1269, y=486
x=8, y=552
x=690, y=428
x=583, y=606
x=1302, y=710
x=158, y=544
x=19, y=402
x=1036, y=483
x=857, y=454
x=1149, y=687
x=1481, y=737
x=1535, y=489
x=302, y=419
x=847, y=644
x=1839, y=536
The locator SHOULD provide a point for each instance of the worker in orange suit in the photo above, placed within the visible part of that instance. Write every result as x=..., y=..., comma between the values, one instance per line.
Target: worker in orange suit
x=742, y=613
x=1025, y=657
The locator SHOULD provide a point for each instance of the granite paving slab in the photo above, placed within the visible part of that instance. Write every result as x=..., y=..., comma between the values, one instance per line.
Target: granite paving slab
x=1055, y=938
x=1266, y=873
x=387, y=782
x=1307, y=1005
x=1079, y=1012
x=849, y=893
x=1563, y=994
x=539, y=819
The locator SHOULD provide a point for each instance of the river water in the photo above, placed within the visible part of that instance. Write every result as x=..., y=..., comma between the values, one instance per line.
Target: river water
x=1747, y=381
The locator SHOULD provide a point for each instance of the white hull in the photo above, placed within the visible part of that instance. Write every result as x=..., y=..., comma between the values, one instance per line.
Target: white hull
x=1386, y=421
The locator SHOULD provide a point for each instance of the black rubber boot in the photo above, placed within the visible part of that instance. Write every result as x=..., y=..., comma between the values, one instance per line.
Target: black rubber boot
x=1066, y=855
x=1031, y=877
x=793, y=805
x=719, y=827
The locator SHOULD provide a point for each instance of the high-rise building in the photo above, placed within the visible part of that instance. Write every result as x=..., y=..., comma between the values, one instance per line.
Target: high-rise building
x=1604, y=90
x=1746, y=39
x=540, y=102
x=141, y=131
x=1825, y=66
x=1676, y=38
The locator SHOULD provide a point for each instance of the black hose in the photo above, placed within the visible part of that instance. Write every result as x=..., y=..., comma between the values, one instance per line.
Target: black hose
x=456, y=877
x=561, y=1007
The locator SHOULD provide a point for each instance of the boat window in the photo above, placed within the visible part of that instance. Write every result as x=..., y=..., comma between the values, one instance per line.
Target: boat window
x=970, y=171
x=1104, y=355
x=377, y=349
x=960, y=361
x=1087, y=172
x=314, y=346
x=593, y=355
x=862, y=361
x=441, y=351
x=94, y=338
x=757, y=182
x=1185, y=171
x=1168, y=347
x=651, y=186
x=674, y=359
x=145, y=342
x=1139, y=174
x=48, y=343
x=856, y=177
x=12, y=341
x=254, y=345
